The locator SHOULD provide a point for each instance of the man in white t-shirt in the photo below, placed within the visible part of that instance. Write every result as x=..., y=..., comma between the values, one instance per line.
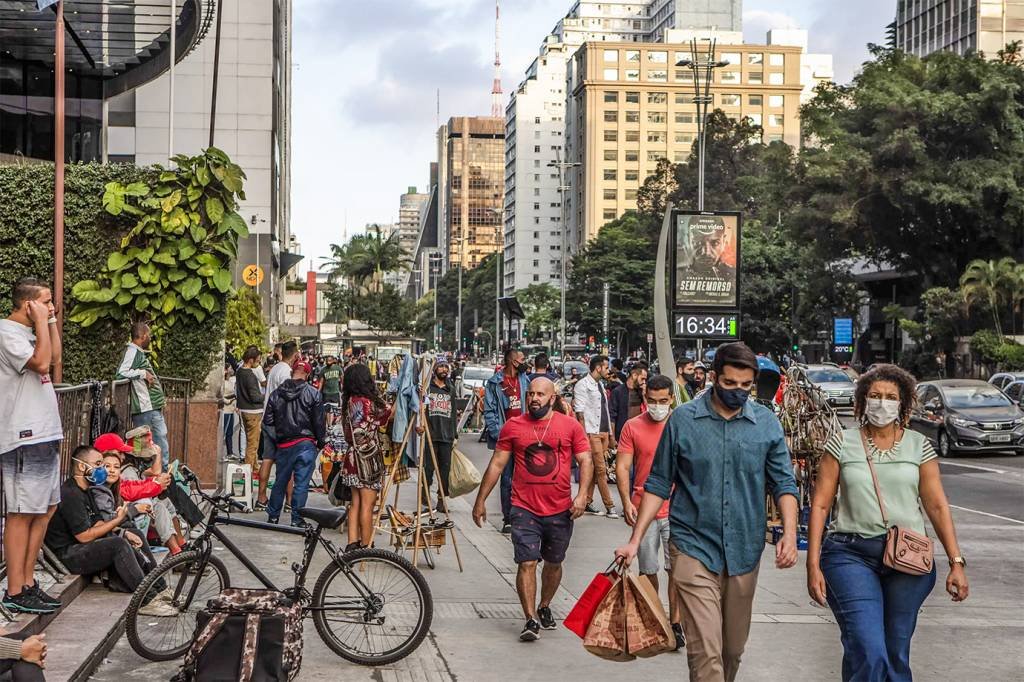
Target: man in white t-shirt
x=279, y=373
x=30, y=435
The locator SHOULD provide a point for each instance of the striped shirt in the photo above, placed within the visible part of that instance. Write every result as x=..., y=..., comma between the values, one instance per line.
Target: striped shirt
x=134, y=366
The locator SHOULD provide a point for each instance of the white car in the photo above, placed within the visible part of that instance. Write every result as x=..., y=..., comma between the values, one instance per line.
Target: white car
x=1004, y=379
x=473, y=377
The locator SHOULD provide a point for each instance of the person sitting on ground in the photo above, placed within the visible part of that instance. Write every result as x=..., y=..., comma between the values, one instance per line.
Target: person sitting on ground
x=107, y=499
x=25, y=660
x=133, y=470
x=82, y=543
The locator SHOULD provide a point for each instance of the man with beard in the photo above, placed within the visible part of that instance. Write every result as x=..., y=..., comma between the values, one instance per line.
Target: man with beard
x=442, y=420
x=543, y=443
x=686, y=381
x=147, y=396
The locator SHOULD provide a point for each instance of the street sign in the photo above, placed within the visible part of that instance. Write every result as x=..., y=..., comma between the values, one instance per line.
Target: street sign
x=708, y=325
x=842, y=331
x=650, y=338
x=252, y=275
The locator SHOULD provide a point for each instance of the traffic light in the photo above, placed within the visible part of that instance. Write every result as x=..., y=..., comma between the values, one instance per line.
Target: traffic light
x=796, y=348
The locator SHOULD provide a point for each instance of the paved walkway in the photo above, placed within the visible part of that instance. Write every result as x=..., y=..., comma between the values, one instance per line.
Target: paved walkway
x=477, y=616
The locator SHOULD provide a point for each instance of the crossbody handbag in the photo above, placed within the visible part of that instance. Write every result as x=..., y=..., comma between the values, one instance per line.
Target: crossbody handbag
x=906, y=551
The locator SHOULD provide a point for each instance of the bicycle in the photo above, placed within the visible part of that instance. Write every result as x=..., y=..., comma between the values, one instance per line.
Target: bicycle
x=369, y=606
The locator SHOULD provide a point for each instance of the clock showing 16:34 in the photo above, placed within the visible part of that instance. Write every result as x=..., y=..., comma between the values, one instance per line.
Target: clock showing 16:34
x=708, y=326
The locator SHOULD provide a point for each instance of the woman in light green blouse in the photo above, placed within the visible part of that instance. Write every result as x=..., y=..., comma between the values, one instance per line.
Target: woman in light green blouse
x=875, y=606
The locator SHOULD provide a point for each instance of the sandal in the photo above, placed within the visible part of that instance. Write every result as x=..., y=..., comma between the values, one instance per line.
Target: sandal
x=259, y=506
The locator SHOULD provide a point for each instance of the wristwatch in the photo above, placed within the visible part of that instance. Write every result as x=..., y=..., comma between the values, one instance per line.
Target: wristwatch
x=957, y=560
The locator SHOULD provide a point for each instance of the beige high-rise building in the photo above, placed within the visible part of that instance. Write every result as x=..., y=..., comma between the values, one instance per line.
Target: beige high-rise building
x=471, y=186
x=630, y=105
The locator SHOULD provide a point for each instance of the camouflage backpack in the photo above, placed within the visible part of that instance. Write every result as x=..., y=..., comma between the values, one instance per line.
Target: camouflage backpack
x=245, y=635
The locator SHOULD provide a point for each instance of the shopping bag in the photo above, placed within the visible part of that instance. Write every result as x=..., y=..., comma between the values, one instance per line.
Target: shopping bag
x=464, y=477
x=582, y=613
x=606, y=634
x=648, y=632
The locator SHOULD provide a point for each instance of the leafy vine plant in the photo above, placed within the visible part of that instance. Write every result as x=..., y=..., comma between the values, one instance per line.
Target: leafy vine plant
x=177, y=259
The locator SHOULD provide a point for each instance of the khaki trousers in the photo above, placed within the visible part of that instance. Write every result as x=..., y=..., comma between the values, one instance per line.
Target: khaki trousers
x=716, y=617
x=252, y=436
x=598, y=451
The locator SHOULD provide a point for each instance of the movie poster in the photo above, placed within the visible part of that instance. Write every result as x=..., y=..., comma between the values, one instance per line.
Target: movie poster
x=706, y=260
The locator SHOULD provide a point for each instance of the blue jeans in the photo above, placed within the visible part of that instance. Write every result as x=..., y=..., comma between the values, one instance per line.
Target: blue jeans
x=506, y=489
x=154, y=419
x=875, y=606
x=297, y=460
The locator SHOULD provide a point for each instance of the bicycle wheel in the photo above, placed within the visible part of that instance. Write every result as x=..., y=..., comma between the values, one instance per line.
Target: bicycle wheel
x=374, y=609
x=173, y=593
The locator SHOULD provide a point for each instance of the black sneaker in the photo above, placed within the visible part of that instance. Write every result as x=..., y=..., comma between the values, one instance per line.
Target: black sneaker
x=547, y=621
x=680, y=640
x=43, y=596
x=506, y=528
x=593, y=511
x=531, y=631
x=301, y=524
x=27, y=602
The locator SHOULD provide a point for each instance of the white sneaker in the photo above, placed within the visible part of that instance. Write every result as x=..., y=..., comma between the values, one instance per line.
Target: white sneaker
x=611, y=513
x=161, y=608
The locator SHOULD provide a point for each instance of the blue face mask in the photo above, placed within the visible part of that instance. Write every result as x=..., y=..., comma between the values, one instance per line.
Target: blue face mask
x=95, y=475
x=732, y=398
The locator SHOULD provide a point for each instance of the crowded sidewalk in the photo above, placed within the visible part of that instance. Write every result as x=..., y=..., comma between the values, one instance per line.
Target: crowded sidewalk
x=477, y=616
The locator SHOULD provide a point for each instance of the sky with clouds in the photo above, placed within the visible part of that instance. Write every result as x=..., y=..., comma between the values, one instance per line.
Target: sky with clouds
x=367, y=73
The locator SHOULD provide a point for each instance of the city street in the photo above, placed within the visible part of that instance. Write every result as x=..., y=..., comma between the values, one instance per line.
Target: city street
x=477, y=617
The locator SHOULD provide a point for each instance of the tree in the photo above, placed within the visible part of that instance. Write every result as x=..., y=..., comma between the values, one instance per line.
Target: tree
x=365, y=258
x=988, y=283
x=917, y=163
x=541, y=303
x=478, y=296
x=386, y=312
x=245, y=325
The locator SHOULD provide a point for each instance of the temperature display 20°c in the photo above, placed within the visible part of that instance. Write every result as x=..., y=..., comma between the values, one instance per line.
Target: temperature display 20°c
x=712, y=325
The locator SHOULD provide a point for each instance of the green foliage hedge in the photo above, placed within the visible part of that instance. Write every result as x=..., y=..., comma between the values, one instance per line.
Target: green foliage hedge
x=26, y=249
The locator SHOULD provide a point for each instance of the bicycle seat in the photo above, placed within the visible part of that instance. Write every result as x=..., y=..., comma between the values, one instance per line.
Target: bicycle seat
x=327, y=518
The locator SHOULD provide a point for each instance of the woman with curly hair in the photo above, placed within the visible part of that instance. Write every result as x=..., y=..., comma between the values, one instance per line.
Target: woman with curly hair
x=363, y=413
x=876, y=606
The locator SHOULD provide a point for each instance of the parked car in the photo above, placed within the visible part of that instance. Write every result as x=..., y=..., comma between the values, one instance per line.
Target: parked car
x=1015, y=391
x=967, y=415
x=1004, y=379
x=836, y=384
x=473, y=377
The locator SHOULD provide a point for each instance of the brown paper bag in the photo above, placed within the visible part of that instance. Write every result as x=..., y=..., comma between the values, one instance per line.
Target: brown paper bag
x=606, y=635
x=648, y=632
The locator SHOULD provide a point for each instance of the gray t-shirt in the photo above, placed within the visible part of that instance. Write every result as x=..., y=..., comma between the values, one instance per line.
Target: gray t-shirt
x=28, y=402
x=279, y=373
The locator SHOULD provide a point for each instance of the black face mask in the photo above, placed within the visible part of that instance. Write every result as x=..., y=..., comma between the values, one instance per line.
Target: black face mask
x=522, y=369
x=690, y=378
x=540, y=412
x=732, y=398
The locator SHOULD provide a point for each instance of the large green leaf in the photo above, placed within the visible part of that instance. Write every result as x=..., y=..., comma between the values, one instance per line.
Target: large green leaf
x=198, y=232
x=113, y=198
x=147, y=273
x=190, y=288
x=142, y=302
x=129, y=281
x=123, y=298
x=206, y=270
x=170, y=302
x=207, y=300
x=176, y=275
x=235, y=222
x=85, y=317
x=222, y=280
x=203, y=174
x=165, y=258
x=84, y=286
x=145, y=254
x=97, y=296
x=116, y=261
x=214, y=209
x=171, y=201
x=136, y=189
x=185, y=250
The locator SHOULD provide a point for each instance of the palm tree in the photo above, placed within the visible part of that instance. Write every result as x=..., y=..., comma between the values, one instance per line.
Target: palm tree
x=365, y=258
x=988, y=282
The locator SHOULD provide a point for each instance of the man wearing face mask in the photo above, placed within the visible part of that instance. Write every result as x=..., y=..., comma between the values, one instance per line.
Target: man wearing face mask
x=442, y=420
x=504, y=394
x=717, y=457
x=86, y=546
x=543, y=443
x=685, y=387
x=637, y=442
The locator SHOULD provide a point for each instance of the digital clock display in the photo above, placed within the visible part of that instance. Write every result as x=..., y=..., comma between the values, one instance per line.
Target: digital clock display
x=708, y=326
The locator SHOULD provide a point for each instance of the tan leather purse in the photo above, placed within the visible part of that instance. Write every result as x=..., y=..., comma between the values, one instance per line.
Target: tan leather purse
x=906, y=551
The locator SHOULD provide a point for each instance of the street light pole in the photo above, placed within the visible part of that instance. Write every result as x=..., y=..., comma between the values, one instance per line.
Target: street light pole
x=458, y=306
x=499, y=251
x=563, y=189
x=703, y=74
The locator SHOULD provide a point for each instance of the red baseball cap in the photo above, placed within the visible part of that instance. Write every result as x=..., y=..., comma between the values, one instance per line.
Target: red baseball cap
x=303, y=366
x=111, y=441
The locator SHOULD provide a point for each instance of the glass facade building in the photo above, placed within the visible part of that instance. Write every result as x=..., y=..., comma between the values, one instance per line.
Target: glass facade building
x=960, y=26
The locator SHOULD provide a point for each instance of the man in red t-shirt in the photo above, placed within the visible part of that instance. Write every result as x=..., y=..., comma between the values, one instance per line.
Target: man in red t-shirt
x=542, y=444
x=637, y=442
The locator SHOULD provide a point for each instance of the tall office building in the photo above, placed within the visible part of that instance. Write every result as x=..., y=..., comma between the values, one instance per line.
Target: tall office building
x=252, y=126
x=719, y=15
x=961, y=26
x=410, y=207
x=631, y=106
x=471, y=188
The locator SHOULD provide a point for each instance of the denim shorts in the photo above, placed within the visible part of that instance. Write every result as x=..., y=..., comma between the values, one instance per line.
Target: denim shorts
x=32, y=477
x=540, y=537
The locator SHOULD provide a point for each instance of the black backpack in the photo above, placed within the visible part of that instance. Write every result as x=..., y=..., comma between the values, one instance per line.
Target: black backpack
x=245, y=635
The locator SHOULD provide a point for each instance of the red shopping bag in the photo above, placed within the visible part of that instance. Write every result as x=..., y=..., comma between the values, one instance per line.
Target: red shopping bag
x=582, y=613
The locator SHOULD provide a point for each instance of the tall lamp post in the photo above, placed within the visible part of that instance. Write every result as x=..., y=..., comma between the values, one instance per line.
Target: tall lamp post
x=458, y=309
x=563, y=189
x=499, y=251
x=703, y=66
x=435, y=270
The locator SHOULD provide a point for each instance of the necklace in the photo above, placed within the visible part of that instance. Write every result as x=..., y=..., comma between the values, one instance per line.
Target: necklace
x=540, y=441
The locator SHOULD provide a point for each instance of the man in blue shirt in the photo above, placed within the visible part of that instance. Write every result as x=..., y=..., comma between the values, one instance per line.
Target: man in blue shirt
x=718, y=456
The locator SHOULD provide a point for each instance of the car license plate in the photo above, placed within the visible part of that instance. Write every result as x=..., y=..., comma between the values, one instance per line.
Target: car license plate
x=843, y=401
x=1000, y=438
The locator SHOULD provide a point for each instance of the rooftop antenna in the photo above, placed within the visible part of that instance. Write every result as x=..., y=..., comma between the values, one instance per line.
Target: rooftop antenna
x=496, y=108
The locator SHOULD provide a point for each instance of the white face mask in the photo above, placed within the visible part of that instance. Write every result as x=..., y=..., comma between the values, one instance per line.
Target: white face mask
x=658, y=413
x=881, y=412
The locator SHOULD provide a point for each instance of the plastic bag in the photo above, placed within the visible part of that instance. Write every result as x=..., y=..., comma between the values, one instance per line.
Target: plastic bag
x=464, y=477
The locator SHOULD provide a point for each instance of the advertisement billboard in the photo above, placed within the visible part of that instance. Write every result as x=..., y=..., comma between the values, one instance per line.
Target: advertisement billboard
x=706, y=260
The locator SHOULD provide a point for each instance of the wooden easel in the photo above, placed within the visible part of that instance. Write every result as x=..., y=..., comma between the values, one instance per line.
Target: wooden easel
x=419, y=535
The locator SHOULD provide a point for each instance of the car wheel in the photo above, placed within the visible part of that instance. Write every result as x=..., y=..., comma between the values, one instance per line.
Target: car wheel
x=945, y=447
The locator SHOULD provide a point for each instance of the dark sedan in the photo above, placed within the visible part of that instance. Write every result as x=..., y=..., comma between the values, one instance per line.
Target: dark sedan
x=963, y=415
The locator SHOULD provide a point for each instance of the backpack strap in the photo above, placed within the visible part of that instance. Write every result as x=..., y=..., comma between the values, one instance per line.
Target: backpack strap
x=252, y=632
x=213, y=626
